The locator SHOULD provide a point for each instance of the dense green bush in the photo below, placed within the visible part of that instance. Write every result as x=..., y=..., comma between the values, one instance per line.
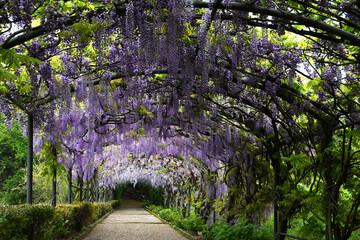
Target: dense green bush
x=192, y=223
x=77, y=215
x=13, y=152
x=146, y=204
x=115, y=203
x=218, y=231
x=309, y=227
x=103, y=208
x=29, y=222
x=45, y=222
x=155, y=209
x=171, y=215
x=80, y=214
x=156, y=196
x=239, y=231
x=118, y=191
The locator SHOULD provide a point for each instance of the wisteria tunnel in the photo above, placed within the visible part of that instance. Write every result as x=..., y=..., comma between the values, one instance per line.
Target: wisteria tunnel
x=234, y=109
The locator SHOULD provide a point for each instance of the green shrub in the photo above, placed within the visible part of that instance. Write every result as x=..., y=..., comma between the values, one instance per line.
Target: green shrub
x=69, y=214
x=103, y=208
x=155, y=209
x=156, y=197
x=311, y=228
x=192, y=223
x=165, y=214
x=171, y=215
x=77, y=215
x=58, y=228
x=115, y=203
x=29, y=222
x=45, y=222
x=355, y=235
x=146, y=204
x=152, y=207
x=86, y=214
x=239, y=231
x=80, y=214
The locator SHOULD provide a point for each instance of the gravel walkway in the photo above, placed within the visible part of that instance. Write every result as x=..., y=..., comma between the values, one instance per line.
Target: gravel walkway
x=132, y=222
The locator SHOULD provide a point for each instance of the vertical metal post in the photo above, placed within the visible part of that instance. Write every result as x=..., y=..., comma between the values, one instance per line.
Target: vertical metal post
x=69, y=184
x=276, y=166
x=87, y=190
x=81, y=189
x=53, y=195
x=54, y=189
x=30, y=132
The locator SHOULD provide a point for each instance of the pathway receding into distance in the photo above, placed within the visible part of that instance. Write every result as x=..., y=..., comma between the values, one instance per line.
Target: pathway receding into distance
x=132, y=222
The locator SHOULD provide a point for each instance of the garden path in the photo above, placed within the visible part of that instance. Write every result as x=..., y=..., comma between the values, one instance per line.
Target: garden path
x=132, y=222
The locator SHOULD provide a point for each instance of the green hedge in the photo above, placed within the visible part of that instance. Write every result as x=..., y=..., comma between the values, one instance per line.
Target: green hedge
x=191, y=223
x=45, y=222
x=155, y=209
x=156, y=196
x=238, y=231
x=29, y=222
x=218, y=231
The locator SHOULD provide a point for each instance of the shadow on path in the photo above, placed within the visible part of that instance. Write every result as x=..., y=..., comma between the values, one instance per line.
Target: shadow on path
x=130, y=203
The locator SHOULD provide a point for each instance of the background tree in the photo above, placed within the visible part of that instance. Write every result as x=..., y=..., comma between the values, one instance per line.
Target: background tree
x=12, y=162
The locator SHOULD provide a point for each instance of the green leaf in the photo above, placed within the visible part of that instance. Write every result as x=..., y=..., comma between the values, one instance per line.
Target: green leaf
x=80, y=4
x=68, y=5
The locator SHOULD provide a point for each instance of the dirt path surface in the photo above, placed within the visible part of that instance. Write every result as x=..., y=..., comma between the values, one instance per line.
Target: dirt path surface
x=132, y=222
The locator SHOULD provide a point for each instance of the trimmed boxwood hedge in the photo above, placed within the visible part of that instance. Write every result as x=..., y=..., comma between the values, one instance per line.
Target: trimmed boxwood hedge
x=45, y=222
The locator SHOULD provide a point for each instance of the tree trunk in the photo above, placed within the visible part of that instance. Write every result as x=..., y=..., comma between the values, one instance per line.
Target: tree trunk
x=276, y=180
x=69, y=184
x=87, y=190
x=81, y=189
x=249, y=187
x=232, y=181
x=280, y=220
x=53, y=195
x=329, y=181
x=30, y=129
x=189, y=203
